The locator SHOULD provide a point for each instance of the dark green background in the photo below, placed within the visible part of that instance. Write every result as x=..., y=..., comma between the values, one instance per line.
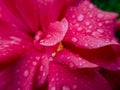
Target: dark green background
x=108, y=5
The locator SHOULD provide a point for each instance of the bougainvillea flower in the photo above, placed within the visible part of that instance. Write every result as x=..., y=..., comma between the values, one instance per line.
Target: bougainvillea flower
x=57, y=45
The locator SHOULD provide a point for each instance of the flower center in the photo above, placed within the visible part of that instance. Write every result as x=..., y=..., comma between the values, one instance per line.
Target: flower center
x=60, y=48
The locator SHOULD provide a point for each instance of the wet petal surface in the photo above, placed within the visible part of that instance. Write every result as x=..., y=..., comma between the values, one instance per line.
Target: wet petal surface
x=107, y=56
x=72, y=60
x=56, y=33
x=63, y=78
x=25, y=71
x=90, y=27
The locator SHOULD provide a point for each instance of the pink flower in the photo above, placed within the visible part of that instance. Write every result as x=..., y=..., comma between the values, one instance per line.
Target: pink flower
x=57, y=45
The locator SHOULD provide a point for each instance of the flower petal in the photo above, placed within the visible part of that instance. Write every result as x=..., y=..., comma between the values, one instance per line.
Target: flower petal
x=13, y=43
x=63, y=78
x=7, y=16
x=118, y=24
x=6, y=79
x=107, y=56
x=50, y=11
x=42, y=74
x=72, y=60
x=90, y=27
x=29, y=11
x=56, y=33
x=113, y=77
x=25, y=70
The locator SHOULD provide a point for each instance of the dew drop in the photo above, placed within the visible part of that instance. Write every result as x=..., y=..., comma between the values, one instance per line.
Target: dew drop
x=100, y=30
x=74, y=39
x=68, y=57
x=44, y=74
x=37, y=58
x=34, y=63
x=90, y=26
x=79, y=29
x=74, y=86
x=26, y=73
x=73, y=16
x=65, y=88
x=90, y=15
x=53, y=88
x=88, y=30
x=80, y=17
x=52, y=79
x=71, y=65
x=76, y=24
x=0, y=15
x=48, y=36
x=86, y=44
x=18, y=89
x=87, y=23
x=41, y=68
x=100, y=24
x=90, y=6
x=100, y=15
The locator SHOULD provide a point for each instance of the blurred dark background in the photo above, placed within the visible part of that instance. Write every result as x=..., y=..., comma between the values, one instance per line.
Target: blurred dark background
x=108, y=5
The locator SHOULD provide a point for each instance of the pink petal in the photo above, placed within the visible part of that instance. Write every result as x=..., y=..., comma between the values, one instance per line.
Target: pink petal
x=56, y=33
x=118, y=25
x=6, y=79
x=90, y=27
x=113, y=77
x=29, y=11
x=107, y=56
x=42, y=74
x=63, y=78
x=13, y=43
x=25, y=70
x=72, y=60
x=7, y=16
x=51, y=10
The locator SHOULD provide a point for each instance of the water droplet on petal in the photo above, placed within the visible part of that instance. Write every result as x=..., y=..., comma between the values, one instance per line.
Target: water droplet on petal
x=74, y=86
x=18, y=89
x=44, y=74
x=80, y=17
x=86, y=44
x=26, y=73
x=53, y=88
x=71, y=65
x=65, y=88
x=90, y=26
x=68, y=57
x=88, y=30
x=41, y=68
x=79, y=29
x=90, y=6
x=0, y=15
x=74, y=39
x=90, y=15
x=100, y=24
x=34, y=63
x=48, y=36
x=87, y=23
x=52, y=79
x=37, y=57
x=100, y=15
x=100, y=30
x=73, y=16
x=76, y=24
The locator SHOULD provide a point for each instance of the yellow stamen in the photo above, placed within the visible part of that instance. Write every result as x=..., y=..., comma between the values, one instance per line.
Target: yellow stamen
x=53, y=54
x=60, y=47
